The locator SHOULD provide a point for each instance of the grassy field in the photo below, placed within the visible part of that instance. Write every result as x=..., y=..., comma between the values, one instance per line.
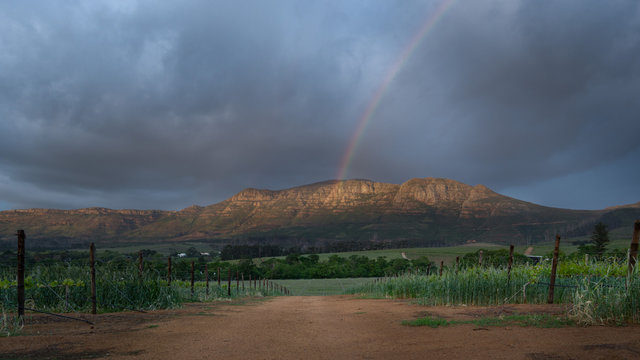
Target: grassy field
x=312, y=287
x=448, y=254
x=620, y=239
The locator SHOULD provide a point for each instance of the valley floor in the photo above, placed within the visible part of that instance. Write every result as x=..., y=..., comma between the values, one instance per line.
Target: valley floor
x=313, y=327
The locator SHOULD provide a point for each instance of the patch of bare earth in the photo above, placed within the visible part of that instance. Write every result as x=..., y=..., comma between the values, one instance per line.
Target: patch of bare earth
x=332, y=327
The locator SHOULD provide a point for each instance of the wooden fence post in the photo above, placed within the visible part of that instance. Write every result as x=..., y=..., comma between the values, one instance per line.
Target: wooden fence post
x=237, y=281
x=140, y=264
x=457, y=264
x=633, y=249
x=92, y=261
x=554, y=266
x=510, y=263
x=229, y=278
x=480, y=257
x=192, y=277
x=206, y=278
x=441, y=267
x=169, y=271
x=249, y=281
x=242, y=275
x=21, y=238
x=218, y=277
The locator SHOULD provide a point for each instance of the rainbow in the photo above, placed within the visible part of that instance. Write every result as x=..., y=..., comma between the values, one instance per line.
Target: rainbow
x=428, y=24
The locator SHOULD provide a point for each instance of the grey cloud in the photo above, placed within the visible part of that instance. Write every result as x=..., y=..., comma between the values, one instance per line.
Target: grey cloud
x=167, y=104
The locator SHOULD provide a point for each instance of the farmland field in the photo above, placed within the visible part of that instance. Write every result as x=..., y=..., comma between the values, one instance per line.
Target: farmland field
x=307, y=287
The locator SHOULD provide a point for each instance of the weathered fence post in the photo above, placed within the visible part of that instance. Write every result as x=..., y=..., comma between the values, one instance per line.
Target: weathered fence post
x=237, y=281
x=441, y=267
x=249, y=281
x=428, y=269
x=218, y=277
x=21, y=237
x=554, y=266
x=169, y=271
x=229, y=286
x=480, y=257
x=510, y=263
x=192, y=277
x=242, y=275
x=633, y=249
x=92, y=261
x=457, y=264
x=206, y=278
x=140, y=264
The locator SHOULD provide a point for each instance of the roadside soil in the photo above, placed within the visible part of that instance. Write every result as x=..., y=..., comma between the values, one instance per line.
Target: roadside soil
x=298, y=327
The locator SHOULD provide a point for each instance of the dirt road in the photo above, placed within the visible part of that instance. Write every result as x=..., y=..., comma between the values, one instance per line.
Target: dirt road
x=332, y=327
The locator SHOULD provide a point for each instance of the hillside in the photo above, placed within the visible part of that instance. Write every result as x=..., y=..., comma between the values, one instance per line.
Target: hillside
x=420, y=212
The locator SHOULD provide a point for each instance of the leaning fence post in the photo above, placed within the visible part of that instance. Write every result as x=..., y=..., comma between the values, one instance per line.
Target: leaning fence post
x=192, y=277
x=92, y=261
x=554, y=265
x=510, y=263
x=21, y=237
x=633, y=249
x=169, y=271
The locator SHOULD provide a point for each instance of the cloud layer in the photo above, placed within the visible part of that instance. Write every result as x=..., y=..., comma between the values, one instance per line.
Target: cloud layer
x=162, y=105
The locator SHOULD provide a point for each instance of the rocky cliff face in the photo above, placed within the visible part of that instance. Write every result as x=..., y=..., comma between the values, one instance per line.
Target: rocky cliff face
x=425, y=211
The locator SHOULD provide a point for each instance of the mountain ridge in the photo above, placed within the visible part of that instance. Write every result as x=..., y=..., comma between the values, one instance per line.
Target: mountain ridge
x=420, y=211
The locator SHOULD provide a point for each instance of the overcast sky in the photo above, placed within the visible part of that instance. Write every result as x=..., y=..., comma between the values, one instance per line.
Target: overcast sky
x=164, y=104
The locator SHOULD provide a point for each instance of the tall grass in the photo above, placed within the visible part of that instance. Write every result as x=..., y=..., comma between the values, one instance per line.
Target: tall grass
x=598, y=298
x=66, y=288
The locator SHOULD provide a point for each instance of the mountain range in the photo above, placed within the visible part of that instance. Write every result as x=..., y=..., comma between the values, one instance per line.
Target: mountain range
x=419, y=212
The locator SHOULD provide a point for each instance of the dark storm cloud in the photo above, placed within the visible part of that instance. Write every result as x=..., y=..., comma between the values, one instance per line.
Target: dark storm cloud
x=161, y=105
x=507, y=93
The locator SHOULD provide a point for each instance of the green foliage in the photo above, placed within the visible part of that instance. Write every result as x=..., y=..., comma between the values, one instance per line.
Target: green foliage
x=524, y=320
x=64, y=288
x=428, y=321
x=600, y=238
x=599, y=241
x=10, y=325
x=492, y=258
x=599, y=290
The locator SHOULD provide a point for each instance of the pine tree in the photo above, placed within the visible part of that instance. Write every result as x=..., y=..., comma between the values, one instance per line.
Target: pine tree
x=600, y=238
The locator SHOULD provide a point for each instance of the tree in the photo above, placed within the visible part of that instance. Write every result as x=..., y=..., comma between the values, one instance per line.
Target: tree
x=600, y=238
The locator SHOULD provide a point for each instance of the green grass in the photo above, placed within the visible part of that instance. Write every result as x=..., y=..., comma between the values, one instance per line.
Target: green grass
x=599, y=293
x=320, y=287
x=524, y=320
